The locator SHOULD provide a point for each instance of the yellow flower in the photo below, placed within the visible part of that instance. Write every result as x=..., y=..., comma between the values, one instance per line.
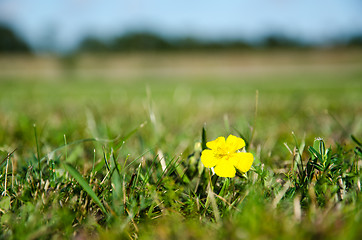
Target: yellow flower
x=225, y=158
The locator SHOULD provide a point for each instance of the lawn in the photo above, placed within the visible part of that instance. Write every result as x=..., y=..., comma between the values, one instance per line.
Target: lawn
x=109, y=146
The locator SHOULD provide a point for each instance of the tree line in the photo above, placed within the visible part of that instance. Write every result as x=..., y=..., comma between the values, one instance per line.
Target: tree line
x=148, y=41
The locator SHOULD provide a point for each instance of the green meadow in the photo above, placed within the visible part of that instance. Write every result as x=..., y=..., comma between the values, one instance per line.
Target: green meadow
x=108, y=147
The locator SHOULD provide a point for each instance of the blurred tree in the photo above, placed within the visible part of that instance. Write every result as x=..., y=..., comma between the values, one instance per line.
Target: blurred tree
x=238, y=45
x=355, y=41
x=140, y=42
x=93, y=44
x=10, y=42
x=188, y=43
x=280, y=41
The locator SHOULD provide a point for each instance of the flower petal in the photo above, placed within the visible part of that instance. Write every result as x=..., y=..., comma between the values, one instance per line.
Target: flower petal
x=217, y=143
x=234, y=143
x=208, y=158
x=242, y=161
x=225, y=168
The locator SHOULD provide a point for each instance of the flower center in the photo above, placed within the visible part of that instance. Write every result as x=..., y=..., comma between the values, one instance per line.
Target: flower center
x=222, y=153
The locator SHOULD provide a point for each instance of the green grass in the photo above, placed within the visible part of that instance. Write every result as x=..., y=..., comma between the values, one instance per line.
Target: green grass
x=100, y=142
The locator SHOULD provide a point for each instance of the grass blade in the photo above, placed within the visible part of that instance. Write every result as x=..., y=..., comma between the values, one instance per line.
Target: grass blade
x=244, y=138
x=37, y=149
x=78, y=177
x=203, y=138
x=356, y=140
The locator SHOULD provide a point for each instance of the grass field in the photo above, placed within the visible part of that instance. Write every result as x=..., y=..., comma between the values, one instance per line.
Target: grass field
x=108, y=147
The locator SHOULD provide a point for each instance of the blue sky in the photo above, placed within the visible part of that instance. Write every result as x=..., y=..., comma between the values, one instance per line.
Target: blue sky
x=63, y=23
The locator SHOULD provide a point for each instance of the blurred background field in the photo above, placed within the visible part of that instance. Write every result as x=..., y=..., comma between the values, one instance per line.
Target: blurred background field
x=314, y=93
